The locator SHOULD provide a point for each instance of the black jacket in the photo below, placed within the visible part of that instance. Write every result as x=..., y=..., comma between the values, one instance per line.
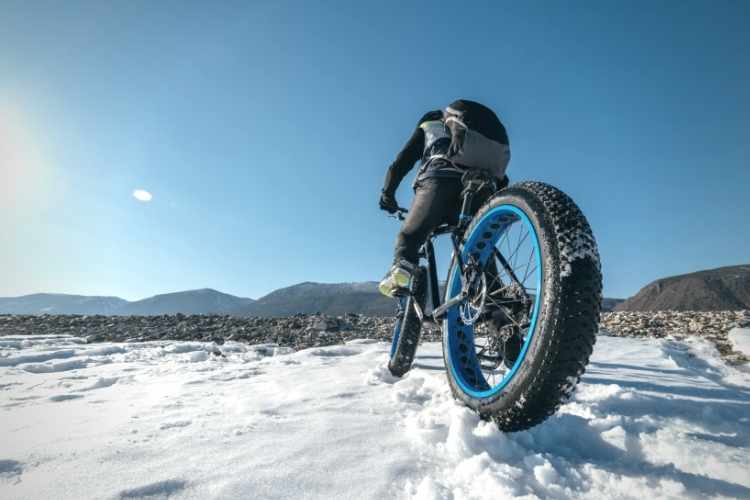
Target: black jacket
x=435, y=162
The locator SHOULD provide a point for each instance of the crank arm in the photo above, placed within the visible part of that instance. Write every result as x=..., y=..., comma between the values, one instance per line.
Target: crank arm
x=491, y=359
x=427, y=320
x=440, y=311
x=418, y=309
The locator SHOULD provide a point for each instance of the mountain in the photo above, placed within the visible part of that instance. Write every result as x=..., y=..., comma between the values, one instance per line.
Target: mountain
x=609, y=305
x=59, y=303
x=328, y=298
x=308, y=297
x=335, y=299
x=724, y=288
x=203, y=301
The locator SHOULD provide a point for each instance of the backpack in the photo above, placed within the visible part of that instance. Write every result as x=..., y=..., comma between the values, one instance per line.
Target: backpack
x=479, y=139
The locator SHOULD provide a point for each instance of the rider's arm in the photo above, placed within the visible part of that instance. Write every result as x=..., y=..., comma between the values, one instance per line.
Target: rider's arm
x=404, y=161
x=408, y=155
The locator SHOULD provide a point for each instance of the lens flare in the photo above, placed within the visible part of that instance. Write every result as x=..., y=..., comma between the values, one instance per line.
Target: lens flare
x=25, y=176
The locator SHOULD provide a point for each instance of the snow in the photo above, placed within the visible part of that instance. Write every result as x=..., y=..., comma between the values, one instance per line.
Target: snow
x=740, y=339
x=651, y=419
x=579, y=245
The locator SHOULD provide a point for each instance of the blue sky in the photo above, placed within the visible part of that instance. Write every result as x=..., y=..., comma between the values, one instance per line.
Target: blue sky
x=263, y=131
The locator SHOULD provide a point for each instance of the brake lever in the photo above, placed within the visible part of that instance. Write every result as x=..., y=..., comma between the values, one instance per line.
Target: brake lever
x=399, y=214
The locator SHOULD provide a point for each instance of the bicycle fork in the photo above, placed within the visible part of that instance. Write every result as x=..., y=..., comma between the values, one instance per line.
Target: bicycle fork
x=438, y=309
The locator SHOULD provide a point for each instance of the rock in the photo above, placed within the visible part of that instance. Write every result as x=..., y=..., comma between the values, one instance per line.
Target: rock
x=308, y=330
x=711, y=325
x=98, y=337
x=325, y=324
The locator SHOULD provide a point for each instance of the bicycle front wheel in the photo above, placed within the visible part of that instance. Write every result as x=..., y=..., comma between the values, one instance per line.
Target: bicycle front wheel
x=407, y=327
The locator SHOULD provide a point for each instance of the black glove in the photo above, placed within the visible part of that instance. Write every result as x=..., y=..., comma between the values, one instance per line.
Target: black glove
x=388, y=203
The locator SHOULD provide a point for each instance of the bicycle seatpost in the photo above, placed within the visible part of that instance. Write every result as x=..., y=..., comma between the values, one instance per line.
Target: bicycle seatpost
x=473, y=182
x=468, y=194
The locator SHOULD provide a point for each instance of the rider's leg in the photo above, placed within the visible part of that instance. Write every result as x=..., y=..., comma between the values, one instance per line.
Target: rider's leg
x=435, y=202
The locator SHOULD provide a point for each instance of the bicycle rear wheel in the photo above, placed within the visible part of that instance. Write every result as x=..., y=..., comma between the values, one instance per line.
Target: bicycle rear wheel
x=517, y=346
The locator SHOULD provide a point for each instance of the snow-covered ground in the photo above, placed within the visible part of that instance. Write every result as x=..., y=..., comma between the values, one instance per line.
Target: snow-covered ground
x=740, y=339
x=652, y=419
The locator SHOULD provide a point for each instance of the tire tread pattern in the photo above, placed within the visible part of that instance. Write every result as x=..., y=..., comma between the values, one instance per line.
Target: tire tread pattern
x=578, y=311
x=411, y=328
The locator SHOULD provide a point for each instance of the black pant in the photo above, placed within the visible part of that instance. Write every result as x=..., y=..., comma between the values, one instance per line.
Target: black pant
x=437, y=200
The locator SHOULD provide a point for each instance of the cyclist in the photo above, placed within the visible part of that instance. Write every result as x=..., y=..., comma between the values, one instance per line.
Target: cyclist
x=451, y=142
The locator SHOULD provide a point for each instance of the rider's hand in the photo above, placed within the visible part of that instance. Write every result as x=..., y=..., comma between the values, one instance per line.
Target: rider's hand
x=388, y=203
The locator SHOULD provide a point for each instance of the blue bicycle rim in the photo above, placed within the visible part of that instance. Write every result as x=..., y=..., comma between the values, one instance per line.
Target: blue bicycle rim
x=461, y=356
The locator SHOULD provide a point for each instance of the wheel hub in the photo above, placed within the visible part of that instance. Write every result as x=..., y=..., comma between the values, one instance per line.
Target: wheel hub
x=473, y=306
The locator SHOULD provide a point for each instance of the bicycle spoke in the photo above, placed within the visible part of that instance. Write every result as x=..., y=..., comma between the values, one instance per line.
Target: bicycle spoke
x=525, y=269
x=530, y=274
x=506, y=301
x=499, y=290
x=518, y=245
x=507, y=241
x=507, y=267
x=528, y=263
x=518, y=248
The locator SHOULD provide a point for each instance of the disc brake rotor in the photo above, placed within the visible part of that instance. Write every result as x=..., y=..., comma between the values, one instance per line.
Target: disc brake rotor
x=473, y=306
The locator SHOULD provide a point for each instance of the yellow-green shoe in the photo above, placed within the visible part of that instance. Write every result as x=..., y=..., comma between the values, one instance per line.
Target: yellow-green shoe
x=398, y=278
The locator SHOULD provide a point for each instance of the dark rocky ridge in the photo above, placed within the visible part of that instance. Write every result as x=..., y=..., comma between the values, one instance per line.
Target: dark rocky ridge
x=329, y=298
x=334, y=299
x=202, y=301
x=724, y=288
x=308, y=330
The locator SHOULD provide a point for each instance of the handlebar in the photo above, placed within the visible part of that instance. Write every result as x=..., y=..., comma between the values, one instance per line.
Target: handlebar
x=399, y=214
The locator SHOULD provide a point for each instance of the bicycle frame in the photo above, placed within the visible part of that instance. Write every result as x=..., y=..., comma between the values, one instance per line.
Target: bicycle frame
x=472, y=184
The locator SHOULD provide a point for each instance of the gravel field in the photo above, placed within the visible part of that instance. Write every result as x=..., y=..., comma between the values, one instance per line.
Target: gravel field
x=313, y=330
